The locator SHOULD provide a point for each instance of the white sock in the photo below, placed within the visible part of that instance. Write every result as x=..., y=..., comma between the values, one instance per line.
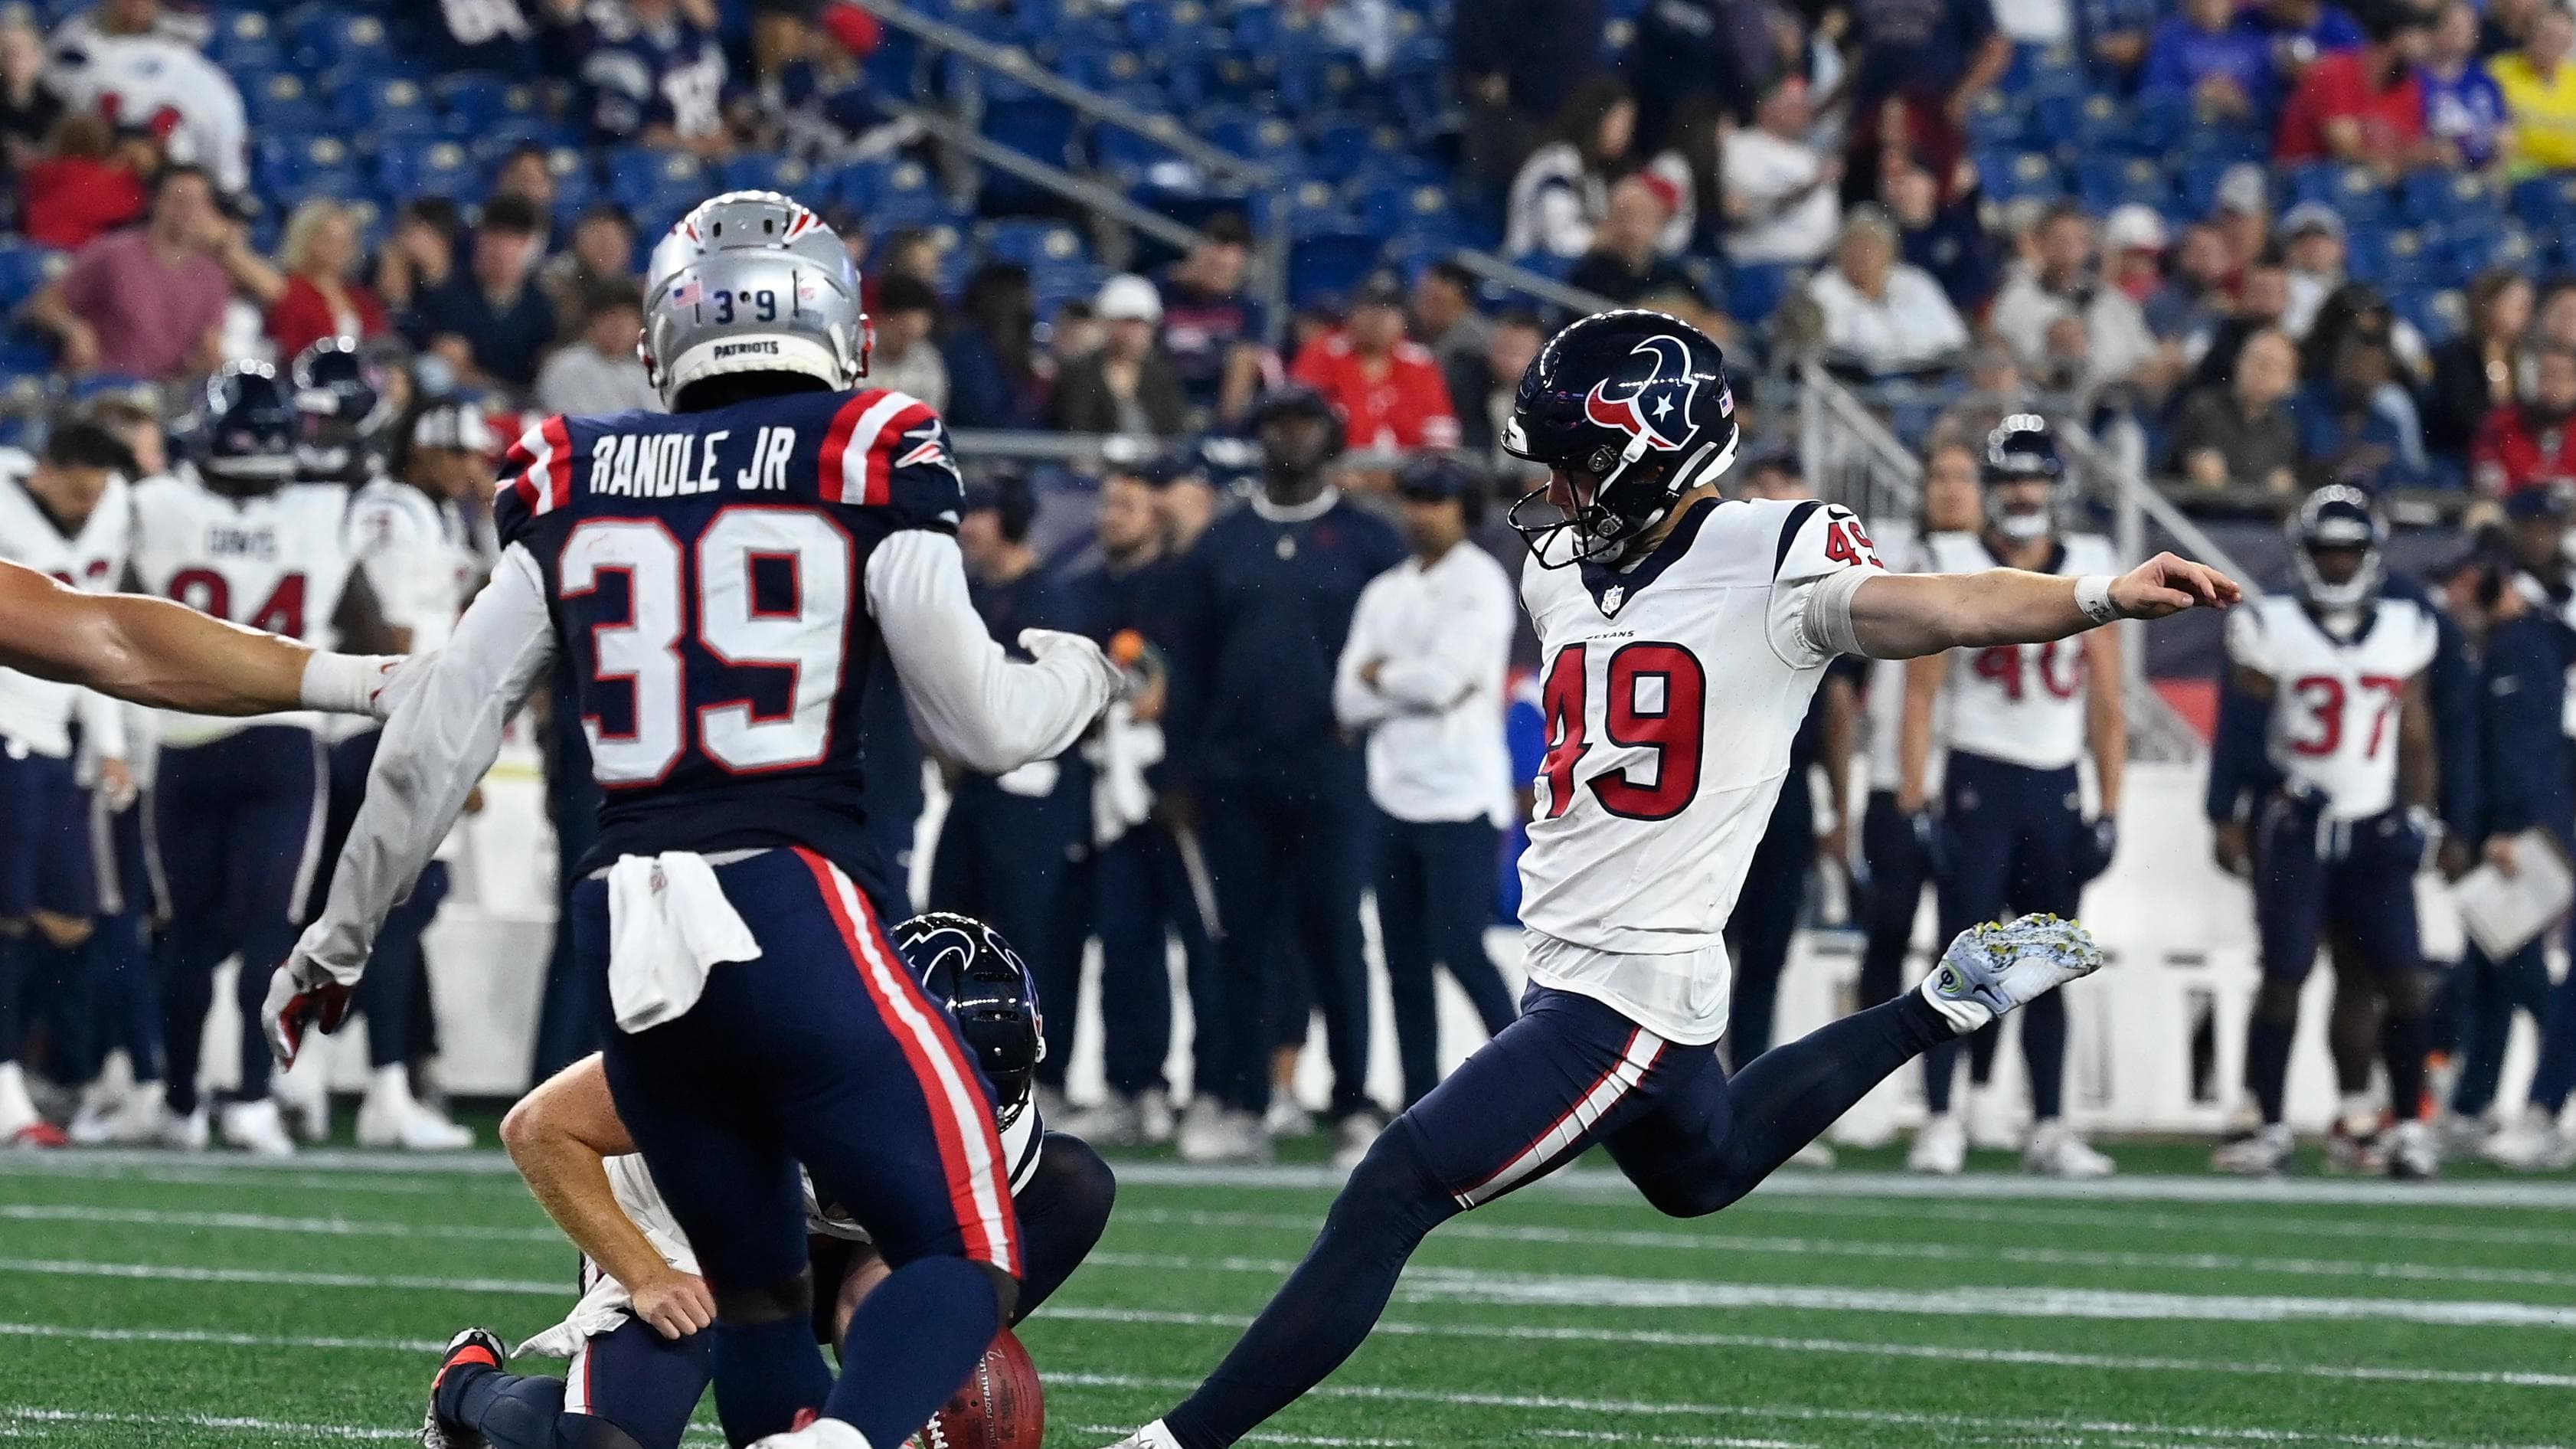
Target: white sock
x=390, y=1083
x=2360, y=1112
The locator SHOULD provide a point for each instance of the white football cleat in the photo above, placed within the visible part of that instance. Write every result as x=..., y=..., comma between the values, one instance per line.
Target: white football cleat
x=1992, y=968
x=1152, y=1436
x=1940, y=1147
x=190, y=1133
x=2533, y=1143
x=1286, y=1119
x=1353, y=1136
x=2413, y=1155
x=389, y=1117
x=816, y=1434
x=2057, y=1150
x=1154, y=1124
x=1117, y=1121
x=2263, y=1152
x=256, y=1127
x=303, y=1093
x=1993, y=1124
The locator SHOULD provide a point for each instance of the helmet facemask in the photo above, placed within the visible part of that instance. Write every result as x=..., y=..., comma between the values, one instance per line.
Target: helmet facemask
x=1635, y=490
x=2335, y=548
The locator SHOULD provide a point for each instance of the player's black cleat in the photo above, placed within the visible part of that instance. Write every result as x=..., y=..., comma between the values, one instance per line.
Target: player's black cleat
x=477, y=1347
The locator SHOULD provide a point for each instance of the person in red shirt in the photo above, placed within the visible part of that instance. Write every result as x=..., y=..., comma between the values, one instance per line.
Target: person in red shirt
x=1388, y=389
x=2530, y=443
x=314, y=293
x=2365, y=106
x=80, y=188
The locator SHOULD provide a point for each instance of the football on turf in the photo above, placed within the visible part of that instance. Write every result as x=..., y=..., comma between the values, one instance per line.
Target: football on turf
x=1000, y=1407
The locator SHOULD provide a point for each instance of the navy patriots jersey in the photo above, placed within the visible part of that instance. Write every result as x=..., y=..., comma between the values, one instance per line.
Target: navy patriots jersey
x=707, y=576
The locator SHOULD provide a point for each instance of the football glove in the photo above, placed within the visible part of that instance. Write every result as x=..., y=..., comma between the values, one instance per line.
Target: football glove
x=302, y=994
x=2093, y=852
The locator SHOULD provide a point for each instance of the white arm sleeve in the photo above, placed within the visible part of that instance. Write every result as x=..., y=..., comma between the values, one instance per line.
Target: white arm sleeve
x=102, y=725
x=1355, y=703
x=435, y=748
x=968, y=700
x=1445, y=666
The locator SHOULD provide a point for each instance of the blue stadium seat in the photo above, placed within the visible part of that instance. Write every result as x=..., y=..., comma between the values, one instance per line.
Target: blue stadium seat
x=1038, y=126
x=280, y=105
x=395, y=107
x=2545, y=203
x=1248, y=133
x=1103, y=69
x=1034, y=245
x=1304, y=206
x=1128, y=154
x=892, y=193
x=499, y=138
x=1995, y=122
x=329, y=37
x=2442, y=196
x=2438, y=314
x=24, y=267
x=1417, y=82
x=244, y=40
x=426, y=167
x=2010, y=176
x=1403, y=207
x=2107, y=181
x=1325, y=265
x=2388, y=260
x=1755, y=290
x=641, y=179
x=471, y=100
x=2103, y=128
x=1342, y=146
x=765, y=171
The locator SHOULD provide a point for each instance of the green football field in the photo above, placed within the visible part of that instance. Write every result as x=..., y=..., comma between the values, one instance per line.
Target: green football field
x=204, y=1302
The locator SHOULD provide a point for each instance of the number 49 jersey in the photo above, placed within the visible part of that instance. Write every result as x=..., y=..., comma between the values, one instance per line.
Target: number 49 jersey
x=2020, y=703
x=707, y=574
x=277, y=561
x=2335, y=702
x=1672, y=692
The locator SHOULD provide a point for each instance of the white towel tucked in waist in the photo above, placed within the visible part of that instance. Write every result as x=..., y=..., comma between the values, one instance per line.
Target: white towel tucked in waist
x=668, y=924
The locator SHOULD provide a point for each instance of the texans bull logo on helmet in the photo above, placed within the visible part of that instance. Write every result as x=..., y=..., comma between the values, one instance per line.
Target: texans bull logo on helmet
x=1656, y=407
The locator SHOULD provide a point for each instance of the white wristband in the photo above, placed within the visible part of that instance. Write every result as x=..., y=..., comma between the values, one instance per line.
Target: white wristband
x=344, y=683
x=2093, y=597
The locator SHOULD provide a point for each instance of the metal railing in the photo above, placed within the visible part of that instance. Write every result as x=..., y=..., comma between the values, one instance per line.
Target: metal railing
x=1167, y=132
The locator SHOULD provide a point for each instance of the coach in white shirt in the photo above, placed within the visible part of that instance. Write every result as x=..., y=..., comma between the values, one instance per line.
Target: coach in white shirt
x=1423, y=674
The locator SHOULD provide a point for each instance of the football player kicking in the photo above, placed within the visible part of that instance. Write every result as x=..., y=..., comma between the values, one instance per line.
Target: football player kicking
x=717, y=581
x=1681, y=638
x=636, y=1341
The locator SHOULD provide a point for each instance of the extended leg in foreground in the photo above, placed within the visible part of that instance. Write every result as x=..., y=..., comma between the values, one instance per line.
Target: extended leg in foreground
x=1569, y=1073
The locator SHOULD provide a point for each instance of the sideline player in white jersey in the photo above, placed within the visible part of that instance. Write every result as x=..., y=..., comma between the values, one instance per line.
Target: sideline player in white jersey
x=416, y=551
x=637, y=1338
x=237, y=804
x=66, y=515
x=2011, y=834
x=1680, y=638
x=1895, y=860
x=2334, y=836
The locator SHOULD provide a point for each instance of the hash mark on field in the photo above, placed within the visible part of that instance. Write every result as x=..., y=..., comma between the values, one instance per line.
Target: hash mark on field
x=1813, y=1413
x=1665, y=1239
x=1576, y=1290
x=1937, y=1352
x=266, y=1223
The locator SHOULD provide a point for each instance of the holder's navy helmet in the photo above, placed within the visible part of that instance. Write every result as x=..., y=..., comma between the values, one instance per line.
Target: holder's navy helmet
x=968, y=968
x=2338, y=516
x=343, y=405
x=1633, y=399
x=2020, y=449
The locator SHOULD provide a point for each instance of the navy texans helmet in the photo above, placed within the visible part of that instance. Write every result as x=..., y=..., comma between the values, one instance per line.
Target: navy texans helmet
x=245, y=434
x=2020, y=449
x=343, y=405
x=1633, y=405
x=967, y=967
x=2338, y=518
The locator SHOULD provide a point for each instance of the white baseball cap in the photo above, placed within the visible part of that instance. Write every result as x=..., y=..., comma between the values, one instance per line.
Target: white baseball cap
x=2134, y=227
x=1128, y=297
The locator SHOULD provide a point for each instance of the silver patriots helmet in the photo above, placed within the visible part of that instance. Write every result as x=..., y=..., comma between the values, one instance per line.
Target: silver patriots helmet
x=751, y=281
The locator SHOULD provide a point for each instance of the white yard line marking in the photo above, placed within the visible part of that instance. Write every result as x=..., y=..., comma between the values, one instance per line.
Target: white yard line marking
x=1934, y=1352
x=2557, y=1194
x=170, y=1170
x=31, y=1415
x=265, y=1223
x=1603, y=1436
x=1463, y=1285
x=2116, y=1219
x=210, y=1336
x=1811, y=1413
x=1666, y=1240
x=181, y=1273
x=1259, y=1436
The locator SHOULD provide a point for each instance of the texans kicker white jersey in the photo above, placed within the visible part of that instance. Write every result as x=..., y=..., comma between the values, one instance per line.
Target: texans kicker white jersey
x=277, y=561
x=1672, y=691
x=2336, y=700
x=419, y=558
x=36, y=713
x=605, y=1303
x=2019, y=703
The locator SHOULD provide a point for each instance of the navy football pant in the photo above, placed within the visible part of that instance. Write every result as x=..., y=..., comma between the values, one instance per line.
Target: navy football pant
x=1892, y=857
x=1435, y=894
x=1006, y=860
x=822, y=1051
x=1286, y=850
x=2010, y=837
x=2555, y=1076
x=1138, y=895
x=236, y=830
x=644, y=1386
x=569, y=1015
x=45, y=866
x=1765, y=922
x=395, y=983
x=1571, y=1072
x=2485, y=994
x=2357, y=877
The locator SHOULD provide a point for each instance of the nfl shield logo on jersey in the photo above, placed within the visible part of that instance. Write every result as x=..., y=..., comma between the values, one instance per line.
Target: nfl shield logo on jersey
x=1612, y=597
